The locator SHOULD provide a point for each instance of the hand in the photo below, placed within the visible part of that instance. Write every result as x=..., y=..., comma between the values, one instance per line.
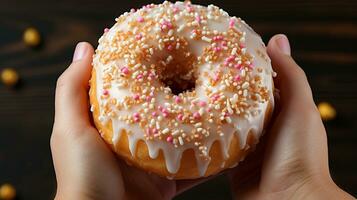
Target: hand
x=85, y=166
x=291, y=162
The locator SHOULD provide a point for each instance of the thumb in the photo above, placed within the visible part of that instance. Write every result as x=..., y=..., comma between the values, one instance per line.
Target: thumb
x=297, y=140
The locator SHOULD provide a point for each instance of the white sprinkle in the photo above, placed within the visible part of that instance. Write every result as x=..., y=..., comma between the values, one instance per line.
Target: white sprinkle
x=245, y=93
x=245, y=85
x=176, y=132
x=166, y=130
x=181, y=28
x=204, y=38
x=199, y=124
x=229, y=120
x=180, y=140
x=234, y=51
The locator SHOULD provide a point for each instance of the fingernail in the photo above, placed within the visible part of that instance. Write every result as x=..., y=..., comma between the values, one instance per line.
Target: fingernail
x=80, y=51
x=283, y=44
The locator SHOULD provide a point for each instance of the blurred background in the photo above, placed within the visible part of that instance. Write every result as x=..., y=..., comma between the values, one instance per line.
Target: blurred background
x=323, y=37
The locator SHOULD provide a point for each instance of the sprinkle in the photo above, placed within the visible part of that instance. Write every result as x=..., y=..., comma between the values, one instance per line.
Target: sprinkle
x=204, y=38
x=218, y=38
x=138, y=36
x=198, y=19
x=136, y=97
x=180, y=117
x=124, y=70
x=177, y=99
x=231, y=23
x=216, y=49
x=105, y=92
x=241, y=45
x=140, y=19
x=180, y=140
x=176, y=9
x=202, y=103
x=166, y=130
x=169, y=139
x=106, y=30
x=196, y=115
x=245, y=85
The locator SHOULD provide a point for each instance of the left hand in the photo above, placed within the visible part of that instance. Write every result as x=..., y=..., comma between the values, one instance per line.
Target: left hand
x=85, y=166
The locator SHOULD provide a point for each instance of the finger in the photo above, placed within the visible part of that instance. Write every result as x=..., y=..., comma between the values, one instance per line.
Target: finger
x=291, y=79
x=71, y=103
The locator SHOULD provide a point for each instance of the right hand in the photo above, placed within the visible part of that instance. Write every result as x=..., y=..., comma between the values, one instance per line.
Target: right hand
x=293, y=157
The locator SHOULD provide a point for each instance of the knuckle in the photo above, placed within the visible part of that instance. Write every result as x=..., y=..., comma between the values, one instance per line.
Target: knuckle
x=312, y=114
x=61, y=81
x=298, y=71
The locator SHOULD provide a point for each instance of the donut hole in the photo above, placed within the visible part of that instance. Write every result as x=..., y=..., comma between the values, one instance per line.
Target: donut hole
x=179, y=74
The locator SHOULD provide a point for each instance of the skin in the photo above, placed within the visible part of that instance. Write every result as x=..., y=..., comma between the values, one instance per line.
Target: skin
x=290, y=162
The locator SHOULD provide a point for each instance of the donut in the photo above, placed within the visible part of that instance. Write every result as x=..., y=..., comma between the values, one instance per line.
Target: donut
x=181, y=90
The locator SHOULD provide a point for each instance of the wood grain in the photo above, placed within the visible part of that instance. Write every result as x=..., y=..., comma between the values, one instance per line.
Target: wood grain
x=323, y=36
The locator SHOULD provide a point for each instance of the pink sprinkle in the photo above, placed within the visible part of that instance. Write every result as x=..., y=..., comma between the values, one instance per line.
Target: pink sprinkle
x=231, y=23
x=224, y=43
x=136, y=117
x=106, y=30
x=177, y=99
x=152, y=75
x=251, y=65
x=215, y=97
x=180, y=117
x=170, y=47
x=241, y=45
x=216, y=77
x=217, y=38
x=237, y=78
x=238, y=66
x=189, y=8
x=105, y=92
x=166, y=25
x=160, y=108
x=140, y=19
x=216, y=49
x=138, y=36
x=132, y=10
x=169, y=139
x=148, y=131
x=209, y=109
x=165, y=113
x=154, y=130
x=230, y=58
x=225, y=63
x=148, y=98
x=154, y=114
x=176, y=9
x=125, y=70
x=196, y=115
x=198, y=19
x=202, y=103
x=140, y=76
x=136, y=97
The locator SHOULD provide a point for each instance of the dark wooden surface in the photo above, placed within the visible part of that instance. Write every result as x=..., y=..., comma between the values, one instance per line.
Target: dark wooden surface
x=323, y=36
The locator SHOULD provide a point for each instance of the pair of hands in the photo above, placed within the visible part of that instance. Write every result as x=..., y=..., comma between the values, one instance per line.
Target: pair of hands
x=290, y=162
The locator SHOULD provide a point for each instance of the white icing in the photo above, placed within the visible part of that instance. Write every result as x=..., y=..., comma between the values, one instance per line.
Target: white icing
x=239, y=125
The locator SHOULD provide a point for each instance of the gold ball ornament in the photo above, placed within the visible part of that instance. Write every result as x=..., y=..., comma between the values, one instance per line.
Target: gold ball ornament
x=7, y=192
x=327, y=111
x=9, y=77
x=32, y=37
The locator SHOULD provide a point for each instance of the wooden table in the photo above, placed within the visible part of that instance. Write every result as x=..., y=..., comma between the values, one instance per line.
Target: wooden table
x=323, y=36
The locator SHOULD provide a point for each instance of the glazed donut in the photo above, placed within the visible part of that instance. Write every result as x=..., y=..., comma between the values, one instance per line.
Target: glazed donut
x=181, y=90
